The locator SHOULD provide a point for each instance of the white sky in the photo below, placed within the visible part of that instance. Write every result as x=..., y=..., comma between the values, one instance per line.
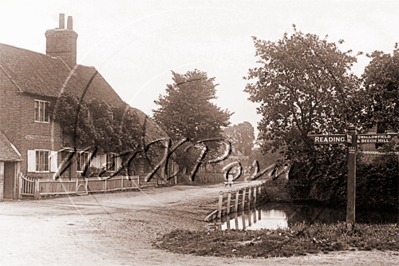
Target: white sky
x=135, y=44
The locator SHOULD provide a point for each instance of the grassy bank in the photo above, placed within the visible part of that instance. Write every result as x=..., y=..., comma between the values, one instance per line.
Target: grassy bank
x=298, y=240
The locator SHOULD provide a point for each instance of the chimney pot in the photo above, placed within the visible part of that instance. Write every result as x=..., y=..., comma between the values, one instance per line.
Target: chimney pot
x=62, y=21
x=70, y=23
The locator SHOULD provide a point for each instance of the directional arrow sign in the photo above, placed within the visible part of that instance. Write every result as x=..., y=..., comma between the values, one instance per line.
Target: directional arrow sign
x=328, y=139
x=375, y=138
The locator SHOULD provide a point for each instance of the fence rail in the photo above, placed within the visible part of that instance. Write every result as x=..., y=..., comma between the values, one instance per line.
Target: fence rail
x=238, y=200
x=38, y=188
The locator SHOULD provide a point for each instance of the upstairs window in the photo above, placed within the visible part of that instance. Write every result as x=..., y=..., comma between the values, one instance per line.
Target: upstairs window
x=41, y=111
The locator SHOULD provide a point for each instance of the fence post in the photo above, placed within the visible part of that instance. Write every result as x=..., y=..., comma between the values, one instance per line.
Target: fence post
x=249, y=197
x=220, y=204
x=37, y=189
x=243, y=199
x=87, y=184
x=20, y=185
x=77, y=185
x=255, y=188
x=138, y=181
x=228, y=202
x=105, y=185
x=236, y=202
x=122, y=183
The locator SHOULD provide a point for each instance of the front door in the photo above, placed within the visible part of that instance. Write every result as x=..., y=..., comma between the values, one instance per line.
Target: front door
x=9, y=179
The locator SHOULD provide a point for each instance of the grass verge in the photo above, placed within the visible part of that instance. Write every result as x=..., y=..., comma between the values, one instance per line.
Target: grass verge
x=299, y=240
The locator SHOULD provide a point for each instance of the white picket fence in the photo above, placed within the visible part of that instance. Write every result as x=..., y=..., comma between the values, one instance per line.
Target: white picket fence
x=37, y=188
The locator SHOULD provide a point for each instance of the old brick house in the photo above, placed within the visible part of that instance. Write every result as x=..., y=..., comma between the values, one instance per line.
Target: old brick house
x=29, y=82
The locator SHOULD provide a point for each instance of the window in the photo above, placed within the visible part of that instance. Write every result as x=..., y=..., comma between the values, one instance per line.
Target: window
x=81, y=158
x=42, y=161
x=41, y=111
x=111, y=162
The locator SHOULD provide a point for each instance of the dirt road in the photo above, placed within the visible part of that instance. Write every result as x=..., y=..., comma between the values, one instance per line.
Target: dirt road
x=117, y=229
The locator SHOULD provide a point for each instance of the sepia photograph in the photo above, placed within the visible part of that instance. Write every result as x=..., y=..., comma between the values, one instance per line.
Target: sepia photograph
x=181, y=132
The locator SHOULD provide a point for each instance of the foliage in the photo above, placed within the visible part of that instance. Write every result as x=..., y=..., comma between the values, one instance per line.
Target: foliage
x=377, y=183
x=95, y=123
x=264, y=159
x=241, y=136
x=299, y=240
x=303, y=85
x=186, y=111
x=379, y=100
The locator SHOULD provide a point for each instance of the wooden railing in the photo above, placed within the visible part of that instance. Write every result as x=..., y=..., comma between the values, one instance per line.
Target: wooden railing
x=38, y=188
x=26, y=186
x=238, y=200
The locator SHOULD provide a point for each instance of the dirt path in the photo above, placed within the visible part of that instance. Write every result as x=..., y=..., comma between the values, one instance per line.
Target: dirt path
x=117, y=229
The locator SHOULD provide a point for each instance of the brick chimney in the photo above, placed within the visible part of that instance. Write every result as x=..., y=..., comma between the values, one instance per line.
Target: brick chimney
x=62, y=42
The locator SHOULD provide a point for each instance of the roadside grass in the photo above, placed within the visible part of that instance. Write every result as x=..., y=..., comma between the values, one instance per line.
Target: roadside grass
x=298, y=240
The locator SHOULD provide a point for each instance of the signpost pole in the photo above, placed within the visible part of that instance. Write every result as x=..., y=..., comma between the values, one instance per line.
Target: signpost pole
x=351, y=186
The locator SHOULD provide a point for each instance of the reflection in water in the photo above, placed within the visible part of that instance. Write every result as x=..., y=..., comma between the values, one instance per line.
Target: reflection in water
x=256, y=219
x=283, y=215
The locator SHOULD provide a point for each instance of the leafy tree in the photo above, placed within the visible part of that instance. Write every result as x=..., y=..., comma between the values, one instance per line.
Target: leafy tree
x=241, y=136
x=303, y=85
x=186, y=111
x=380, y=99
x=111, y=129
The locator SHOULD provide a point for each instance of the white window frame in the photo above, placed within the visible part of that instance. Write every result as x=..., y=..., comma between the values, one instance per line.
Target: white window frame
x=38, y=115
x=37, y=163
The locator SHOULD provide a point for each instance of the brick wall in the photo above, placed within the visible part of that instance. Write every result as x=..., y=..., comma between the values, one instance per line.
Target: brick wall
x=1, y=179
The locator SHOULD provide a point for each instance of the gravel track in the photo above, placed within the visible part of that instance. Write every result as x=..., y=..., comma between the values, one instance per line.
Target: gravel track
x=118, y=229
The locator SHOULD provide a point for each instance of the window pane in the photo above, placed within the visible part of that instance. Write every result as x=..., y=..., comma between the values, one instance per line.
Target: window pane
x=41, y=114
x=79, y=161
x=45, y=106
x=37, y=161
x=110, y=162
x=45, y=158
x=36, y=111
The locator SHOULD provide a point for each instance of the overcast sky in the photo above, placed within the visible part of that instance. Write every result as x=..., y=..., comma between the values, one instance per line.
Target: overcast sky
x=136, y=44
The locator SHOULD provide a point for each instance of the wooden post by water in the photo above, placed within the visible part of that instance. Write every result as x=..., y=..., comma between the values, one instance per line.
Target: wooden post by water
x=249, y=197
x=228, y=202
x=351, y=186
x=243, y=199
x=255, y=188
x=236, y=220
x=220, y=204
x=236, y=202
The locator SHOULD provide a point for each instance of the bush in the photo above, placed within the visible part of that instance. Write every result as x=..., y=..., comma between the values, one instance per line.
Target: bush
x=376, y=185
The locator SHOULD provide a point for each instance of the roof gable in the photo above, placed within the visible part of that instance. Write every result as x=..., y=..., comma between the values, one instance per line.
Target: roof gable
x=44, y=75
x=8, y=152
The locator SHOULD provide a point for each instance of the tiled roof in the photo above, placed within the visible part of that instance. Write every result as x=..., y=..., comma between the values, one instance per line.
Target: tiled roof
x=40, y=74
x=7, y=151
x=152, y=130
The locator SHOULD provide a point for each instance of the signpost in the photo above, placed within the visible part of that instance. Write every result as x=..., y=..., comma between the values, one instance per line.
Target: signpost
x=352, y=140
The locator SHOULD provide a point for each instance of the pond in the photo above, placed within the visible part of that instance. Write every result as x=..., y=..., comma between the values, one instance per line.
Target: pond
x=282, y=215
